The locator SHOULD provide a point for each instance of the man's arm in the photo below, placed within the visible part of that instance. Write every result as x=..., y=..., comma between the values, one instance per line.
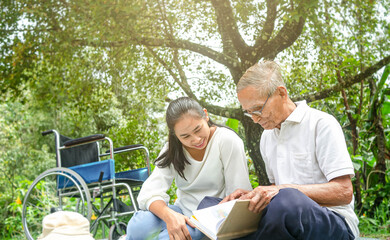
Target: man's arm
x=337, y=191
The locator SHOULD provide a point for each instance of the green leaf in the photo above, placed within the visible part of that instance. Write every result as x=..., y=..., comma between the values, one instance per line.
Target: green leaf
x=233, y=124
x=385, y=108
x=356, y=166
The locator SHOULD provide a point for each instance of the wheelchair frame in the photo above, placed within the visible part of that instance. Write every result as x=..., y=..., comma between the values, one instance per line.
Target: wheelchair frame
x=71, y=192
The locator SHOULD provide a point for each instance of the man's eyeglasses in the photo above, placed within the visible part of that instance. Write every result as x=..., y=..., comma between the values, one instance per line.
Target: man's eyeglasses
x=257, y=113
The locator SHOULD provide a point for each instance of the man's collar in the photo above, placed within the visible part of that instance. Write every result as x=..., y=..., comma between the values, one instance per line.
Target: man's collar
x=298, y=113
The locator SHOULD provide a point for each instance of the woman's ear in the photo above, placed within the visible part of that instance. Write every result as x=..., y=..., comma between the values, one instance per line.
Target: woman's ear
x=206, y=114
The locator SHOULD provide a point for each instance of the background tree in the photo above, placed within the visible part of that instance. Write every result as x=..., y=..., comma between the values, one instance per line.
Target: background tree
x=179, y=42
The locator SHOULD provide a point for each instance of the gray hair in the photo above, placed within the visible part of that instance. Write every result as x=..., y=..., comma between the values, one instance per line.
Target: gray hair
x=265, y=76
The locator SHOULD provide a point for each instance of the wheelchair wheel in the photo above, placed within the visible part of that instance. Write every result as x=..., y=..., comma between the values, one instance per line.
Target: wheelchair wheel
x=117, y=230
x=57, y=189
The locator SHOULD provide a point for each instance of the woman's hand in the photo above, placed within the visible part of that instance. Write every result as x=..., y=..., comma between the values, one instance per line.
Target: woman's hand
x=176, y=225
x=176, y=222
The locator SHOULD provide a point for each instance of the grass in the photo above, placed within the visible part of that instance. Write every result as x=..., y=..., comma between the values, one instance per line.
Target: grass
x=376, y=235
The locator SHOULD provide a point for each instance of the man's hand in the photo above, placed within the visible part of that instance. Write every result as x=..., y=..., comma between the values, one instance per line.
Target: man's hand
x=236, y=194
x=260, y=197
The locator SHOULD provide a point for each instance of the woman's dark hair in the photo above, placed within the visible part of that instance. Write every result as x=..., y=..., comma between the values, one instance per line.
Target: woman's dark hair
x=174, y=154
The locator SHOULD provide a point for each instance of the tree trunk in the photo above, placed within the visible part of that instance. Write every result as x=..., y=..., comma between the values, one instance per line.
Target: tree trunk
x=381, y=145
x=380, y=140
x=253, y=133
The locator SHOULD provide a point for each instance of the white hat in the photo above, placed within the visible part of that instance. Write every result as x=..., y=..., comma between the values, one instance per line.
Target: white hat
x=65, y=225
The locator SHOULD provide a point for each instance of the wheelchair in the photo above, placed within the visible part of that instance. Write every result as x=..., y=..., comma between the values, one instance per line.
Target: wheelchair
x=85, y=181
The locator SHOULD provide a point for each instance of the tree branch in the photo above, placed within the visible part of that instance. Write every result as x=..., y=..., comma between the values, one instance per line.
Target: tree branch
x=229, y=29
x=182, y=82
x=285, y=38
x=349, y=81
x=176, y=43
x=268, y=25
x=287, y=35
x=235, y=113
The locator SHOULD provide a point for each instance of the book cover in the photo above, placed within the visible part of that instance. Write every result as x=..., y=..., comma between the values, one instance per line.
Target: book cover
x=227, y=220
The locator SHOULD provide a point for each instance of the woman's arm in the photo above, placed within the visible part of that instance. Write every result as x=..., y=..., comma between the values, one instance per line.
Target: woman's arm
x=234, y=162
x=156, y=185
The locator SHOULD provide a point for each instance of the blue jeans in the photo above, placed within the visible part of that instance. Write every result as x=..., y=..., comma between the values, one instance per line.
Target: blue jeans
x=292, y=215
x=146, y=225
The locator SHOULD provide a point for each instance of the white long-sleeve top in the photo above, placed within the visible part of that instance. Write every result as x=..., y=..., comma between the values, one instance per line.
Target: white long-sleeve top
x=222, y=170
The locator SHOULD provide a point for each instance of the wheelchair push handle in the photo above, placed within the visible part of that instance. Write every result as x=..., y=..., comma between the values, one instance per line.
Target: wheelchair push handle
x=77, y=141
x=47, y=132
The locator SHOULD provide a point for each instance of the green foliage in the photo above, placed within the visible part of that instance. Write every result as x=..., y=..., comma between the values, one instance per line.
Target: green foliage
x=233, y=124
x=12, y=212
x=374, y=213
x=24, y=153
x=376, y=220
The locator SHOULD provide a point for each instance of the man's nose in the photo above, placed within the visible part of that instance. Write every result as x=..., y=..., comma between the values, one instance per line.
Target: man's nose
x=256, y=118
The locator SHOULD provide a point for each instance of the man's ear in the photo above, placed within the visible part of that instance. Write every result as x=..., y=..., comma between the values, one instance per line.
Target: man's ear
x=282, y=91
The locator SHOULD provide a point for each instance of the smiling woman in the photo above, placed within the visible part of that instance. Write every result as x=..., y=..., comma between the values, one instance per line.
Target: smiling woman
x=194, y=133
x=203, y=158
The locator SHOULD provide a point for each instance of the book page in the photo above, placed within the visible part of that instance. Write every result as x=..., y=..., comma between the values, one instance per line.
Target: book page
x=210, y=234
x=239, y=222
x=212, y=217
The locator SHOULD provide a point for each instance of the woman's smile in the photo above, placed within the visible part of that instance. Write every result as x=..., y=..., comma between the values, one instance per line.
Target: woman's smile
x=201, y=144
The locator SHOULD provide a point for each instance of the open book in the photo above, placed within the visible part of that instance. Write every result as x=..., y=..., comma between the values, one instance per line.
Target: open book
x=227, y=220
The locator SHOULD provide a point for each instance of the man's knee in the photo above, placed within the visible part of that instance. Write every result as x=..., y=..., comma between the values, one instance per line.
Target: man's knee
x=290, y=209
x=289, y=201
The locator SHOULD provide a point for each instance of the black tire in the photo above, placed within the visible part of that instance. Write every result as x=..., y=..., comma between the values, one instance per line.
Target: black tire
x=44, y=197
x=116, y=233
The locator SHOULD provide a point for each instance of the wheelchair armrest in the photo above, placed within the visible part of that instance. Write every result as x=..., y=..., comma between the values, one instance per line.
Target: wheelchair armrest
x=77, y=141
x=128, y=147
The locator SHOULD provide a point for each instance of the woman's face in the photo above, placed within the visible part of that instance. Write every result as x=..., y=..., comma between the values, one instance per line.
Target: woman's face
x=192, y=131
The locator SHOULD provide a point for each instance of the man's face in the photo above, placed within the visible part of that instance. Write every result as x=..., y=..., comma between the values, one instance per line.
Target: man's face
x=271, y=109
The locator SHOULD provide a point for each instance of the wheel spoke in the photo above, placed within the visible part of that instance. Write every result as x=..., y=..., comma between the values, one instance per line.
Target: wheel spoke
x=43, y=198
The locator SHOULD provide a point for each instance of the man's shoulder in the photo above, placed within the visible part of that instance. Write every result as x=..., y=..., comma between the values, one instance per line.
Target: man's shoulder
x=266, y=134
x=317, y=115
x=317, y=112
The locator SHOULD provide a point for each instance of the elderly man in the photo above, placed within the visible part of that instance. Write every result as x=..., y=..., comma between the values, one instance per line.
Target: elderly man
x=306, y=159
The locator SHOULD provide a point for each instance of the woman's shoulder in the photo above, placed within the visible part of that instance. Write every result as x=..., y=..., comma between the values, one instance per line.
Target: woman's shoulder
x=226, y=134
